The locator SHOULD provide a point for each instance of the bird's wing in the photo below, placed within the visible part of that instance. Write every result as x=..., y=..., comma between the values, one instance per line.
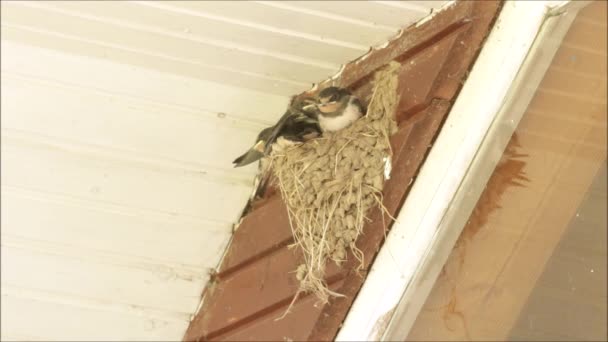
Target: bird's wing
x=276, y=130
x=295, y=114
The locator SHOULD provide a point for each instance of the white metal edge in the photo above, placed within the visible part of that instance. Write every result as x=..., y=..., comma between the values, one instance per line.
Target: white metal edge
x=410, y=241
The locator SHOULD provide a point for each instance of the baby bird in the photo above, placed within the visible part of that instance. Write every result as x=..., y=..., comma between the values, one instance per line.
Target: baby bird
x=337, y=108
x=298, y=124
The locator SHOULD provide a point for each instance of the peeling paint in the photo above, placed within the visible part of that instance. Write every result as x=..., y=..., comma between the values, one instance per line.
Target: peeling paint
x=381, y=325
x=386, y=44
x=387, y=167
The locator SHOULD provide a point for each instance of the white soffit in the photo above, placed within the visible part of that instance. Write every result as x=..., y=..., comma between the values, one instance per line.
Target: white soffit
x=108, y=227
x=280, y=47
x=521, y=44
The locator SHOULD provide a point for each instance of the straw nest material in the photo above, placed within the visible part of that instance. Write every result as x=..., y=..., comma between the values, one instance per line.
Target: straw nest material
x=330, y=183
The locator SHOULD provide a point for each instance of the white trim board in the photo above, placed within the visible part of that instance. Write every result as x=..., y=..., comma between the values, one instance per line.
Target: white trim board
x=484, y=116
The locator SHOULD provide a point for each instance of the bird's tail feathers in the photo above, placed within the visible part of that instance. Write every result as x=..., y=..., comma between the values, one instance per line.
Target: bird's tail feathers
x=247, y=158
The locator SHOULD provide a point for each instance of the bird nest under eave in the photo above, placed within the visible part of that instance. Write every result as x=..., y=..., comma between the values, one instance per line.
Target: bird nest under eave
x=330, y=183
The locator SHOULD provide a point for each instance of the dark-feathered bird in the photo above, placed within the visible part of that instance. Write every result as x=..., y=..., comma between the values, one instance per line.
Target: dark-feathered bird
x=336, y=108
x=256, y=151
x=299, y=123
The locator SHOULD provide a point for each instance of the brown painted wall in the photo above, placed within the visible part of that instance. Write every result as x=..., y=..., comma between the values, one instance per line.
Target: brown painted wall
x=256, y=283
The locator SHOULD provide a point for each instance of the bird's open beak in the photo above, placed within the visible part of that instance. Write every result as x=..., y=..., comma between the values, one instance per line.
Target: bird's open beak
x=310, y=107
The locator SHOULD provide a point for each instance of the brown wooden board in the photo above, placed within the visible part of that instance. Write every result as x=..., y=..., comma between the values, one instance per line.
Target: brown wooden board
x=252, y=241
x=256, y=281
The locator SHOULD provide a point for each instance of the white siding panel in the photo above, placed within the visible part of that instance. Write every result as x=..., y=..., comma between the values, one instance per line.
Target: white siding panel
x=423, y=3
x=203, y=138
x=222, y=74
x=393, y=14
x=45, y=169
x=190, y=26
x=60, y=321
x=285, y=20
x=279, y=47
x=107, y=172
x=133, y=283
x=141, y=83
x=143, y=235
x=238, y=57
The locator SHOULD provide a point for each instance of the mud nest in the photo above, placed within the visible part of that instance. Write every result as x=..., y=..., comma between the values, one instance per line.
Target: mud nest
x=329, y=184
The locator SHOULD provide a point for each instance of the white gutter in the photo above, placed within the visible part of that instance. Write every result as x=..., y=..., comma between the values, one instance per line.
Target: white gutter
x=510, y=66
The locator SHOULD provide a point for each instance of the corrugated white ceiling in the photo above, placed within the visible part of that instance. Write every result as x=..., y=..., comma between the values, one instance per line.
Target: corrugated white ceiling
x=119, y=123
x=280, y=47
